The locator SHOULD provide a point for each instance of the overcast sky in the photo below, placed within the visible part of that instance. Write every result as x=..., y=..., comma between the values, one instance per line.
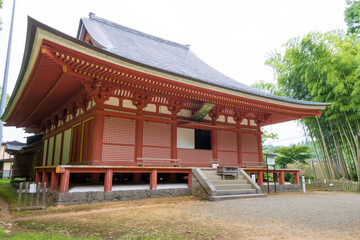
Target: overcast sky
x=233, y=36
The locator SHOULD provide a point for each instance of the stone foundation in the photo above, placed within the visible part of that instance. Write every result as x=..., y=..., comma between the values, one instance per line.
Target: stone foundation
x=76, y=198
x=197, y=190
x=281, y=188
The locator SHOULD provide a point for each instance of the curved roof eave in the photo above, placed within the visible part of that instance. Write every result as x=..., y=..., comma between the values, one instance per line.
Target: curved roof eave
x=33, y=25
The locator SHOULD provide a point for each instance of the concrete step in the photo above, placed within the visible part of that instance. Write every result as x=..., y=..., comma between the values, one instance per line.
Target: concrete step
x=229, y=197
x=235, y=191
x=209, y=172
x=226, y=177
x=226, y=182
x=232, y=186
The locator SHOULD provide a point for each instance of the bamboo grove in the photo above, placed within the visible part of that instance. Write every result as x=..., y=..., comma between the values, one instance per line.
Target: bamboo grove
x=325, y=68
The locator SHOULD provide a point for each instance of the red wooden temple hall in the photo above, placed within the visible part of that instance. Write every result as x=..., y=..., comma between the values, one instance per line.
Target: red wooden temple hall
x=114, y=98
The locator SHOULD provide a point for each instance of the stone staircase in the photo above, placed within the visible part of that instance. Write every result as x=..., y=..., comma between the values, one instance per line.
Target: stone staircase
x=228, y=188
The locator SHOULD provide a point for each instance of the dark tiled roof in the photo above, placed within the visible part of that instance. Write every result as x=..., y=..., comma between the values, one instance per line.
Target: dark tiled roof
x=163, y=55
x=14, y=146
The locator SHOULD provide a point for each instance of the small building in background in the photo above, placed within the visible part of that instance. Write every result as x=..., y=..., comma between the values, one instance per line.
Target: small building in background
x=25, y=156
x=7, y=159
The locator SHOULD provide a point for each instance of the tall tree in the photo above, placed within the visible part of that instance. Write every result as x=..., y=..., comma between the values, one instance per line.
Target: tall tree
x=325, y=68
x=288, y=155
x=352, y=14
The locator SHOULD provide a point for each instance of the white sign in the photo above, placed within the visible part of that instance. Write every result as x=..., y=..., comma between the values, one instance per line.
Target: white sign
x=271, y=160
x=32, y=188
x=253, y=177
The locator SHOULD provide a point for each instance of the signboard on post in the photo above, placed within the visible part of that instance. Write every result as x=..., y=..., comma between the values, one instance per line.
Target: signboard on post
x=32, y=188
x=270, y=160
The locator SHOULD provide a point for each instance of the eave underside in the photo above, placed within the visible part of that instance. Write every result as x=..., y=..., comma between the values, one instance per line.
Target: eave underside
x=60, y=73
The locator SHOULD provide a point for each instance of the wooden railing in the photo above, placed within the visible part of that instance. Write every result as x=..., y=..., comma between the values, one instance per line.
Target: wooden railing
x=157, y=162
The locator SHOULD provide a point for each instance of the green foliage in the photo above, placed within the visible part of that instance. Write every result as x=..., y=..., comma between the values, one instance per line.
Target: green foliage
x=352, y=13
x=268, y=87
x=36, y=236
x=265, y=135
x=287, y=155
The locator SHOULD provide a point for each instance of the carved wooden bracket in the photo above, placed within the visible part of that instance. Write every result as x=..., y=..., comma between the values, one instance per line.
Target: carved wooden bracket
x=174, y=106
x=215, y=113
x=140, y=100
x=261, y=118
x=98, y=91
x=239, y=116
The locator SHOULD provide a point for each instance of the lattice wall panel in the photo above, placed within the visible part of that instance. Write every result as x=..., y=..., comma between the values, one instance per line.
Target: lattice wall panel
x=157, y=134
x=119, y=130
x=154, y=152
x=194, y=157
x=250, y=157
x=249, y=143
x=228, y=158
x=227, y=140
x=118, y=153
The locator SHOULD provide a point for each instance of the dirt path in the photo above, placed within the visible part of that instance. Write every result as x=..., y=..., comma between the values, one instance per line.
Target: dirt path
x=317, y=215
x=6, y=222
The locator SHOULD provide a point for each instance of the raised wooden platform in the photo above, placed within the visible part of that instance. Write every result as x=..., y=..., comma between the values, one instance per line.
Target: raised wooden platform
x=61, y=173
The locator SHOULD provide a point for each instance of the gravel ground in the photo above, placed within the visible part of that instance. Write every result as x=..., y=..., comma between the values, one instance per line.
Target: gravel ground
x=320, y=215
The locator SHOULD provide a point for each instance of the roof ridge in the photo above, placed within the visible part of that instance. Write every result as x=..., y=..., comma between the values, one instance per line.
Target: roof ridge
x=139, y=33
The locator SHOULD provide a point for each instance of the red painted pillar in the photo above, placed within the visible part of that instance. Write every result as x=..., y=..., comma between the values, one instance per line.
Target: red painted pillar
x=64, y=183
x=139, y=135
x=45, y=178
x=172, y=177
x=37, y=176
x=282, y=178
x=174, y=140
x=259, y=146
x=108, y=180
x=214, y=144
x=260, y=180
x=297, y=177
x=137, y=177
x=239, y=148
x=94, y=177
x=189, y=179
x=54, y=180
x=153, y=179
x=97, y=141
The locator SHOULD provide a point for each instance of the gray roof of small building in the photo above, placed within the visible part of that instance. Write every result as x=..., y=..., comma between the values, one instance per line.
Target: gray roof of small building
x=14, y=146
x=163, y=55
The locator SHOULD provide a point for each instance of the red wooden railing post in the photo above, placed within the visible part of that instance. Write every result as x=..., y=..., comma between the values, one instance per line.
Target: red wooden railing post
x=189, y=179
x=108, y=180
x=45, y=178
x=64, y=183
x=281, y=178
x=54, y=180
x=153, y=179
x=297, y=177
x=137, y=177
x=37, y=176
x=260, y=180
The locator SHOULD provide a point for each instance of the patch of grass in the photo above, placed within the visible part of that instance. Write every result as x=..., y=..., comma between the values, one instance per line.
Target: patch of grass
x=4, y=180
x=9, y=194
x=54, y=229
x=36, y=236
